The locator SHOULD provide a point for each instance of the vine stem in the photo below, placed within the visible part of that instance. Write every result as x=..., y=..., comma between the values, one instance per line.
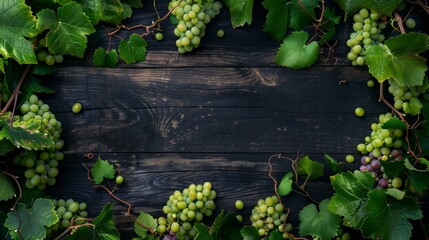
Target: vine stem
x=129, y=206
x=16, y=90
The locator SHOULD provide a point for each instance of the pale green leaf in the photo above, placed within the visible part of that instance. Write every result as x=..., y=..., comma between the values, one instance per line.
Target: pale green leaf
x=388, y=219
x=351, y=194
x=285, y=186
x=240, y=11
x=104, y=228
x=25, y=134
x=301, y=13
x=133, y=50
x=311, y=169
x=145, y=220
x=6, y=188
x=103, y=58
x=102, y=169
x=31, y=223
x=109, y=11
x=68, y=29
x=396, y=193
x=294, y=52
x=322, y=224
x=16, y=24
x=277, y=18
x=413, y=107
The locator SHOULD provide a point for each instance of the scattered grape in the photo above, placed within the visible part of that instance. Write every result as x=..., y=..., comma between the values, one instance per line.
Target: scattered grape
x=159, y=36
x=77, y=107
x=119, y=179
x=360, y=112
x=239, y=204
x=370, y=83
x=410, y=23
x=350, y=159
x=220, y=33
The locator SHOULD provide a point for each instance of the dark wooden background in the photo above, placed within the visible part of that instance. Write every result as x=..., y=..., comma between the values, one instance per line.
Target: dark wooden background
x=216, y=114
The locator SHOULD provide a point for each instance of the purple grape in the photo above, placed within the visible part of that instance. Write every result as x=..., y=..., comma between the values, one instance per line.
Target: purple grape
x=375, y=174
x=362, y=168
x=369, y=168
x=168, y=237
x=174, y=238
x=363, y=160
x=375, y=164
x=383, y=183
x=394, y=153
x=371, y=155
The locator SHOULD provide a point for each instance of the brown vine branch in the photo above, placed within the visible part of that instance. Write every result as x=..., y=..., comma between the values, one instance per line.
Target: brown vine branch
x=111, y=194
x=271, y=176
x=16, y=90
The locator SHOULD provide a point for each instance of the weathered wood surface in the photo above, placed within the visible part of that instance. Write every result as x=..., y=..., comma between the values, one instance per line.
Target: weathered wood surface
x=216, y=114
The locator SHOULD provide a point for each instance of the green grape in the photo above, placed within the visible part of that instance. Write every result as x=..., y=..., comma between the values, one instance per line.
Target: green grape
x=159, y=36
x=119, y=179
x=58, y=58
x=410, y=23
x=350, y=158
x=41, y=56
x=220, y=33
x=239, y=204
x=50, y=60
x=67, y=215
x=359, y=111
x=396, y=182
x=73, y=207
x=42, y=42
x=370, y=83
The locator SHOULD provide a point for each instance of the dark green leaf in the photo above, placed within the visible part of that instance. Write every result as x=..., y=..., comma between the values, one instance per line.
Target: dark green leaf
x=16, y=24
x=328, y=36
x=311, y=169
x=385, y=7
x=203, y=232
x=351, y=194
x=250, y=233
x=393, y=168
x=109, y=11
x=322, y=224
x=31, y=195
x=240, y=11
x=25, y=134
x=389, y=219
x=133, y=3
x=415, y=43
x=67, y=30
x=6, y=188
x=285, y=186
x=103, y=58
x=411, y=167
x=133, y=50
x=419, y=180
x=333, y=164
x=102, y=169
x=43, y=69
x=294, y=52
x=5, y=147
x=276, y=235
x=394, y=123
x=277, y=18
x=104, y=228
x=31, y=223
x=301, y=13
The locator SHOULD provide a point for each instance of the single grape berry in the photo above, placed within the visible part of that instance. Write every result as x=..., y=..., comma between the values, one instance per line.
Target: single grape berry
x=396, y=182
x=77, y=107
x=159, y=36
x=119, y=179
x=350, y=158
x=50, y=60
x=410, y=23
x=359, y=112
x=220, y=33
x=239, y=204
x=370, y=83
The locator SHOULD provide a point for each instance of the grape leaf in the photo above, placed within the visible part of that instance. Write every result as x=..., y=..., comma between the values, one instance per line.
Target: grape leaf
x=285, y=186
x=133, y=50
x=384, y=7
x=389, y=219
x=133, y=3
x=16, y=24
x=202, y=232
x=276, y=235
x=394, y=123
x=6, y=146
x=102, y=169
x=411, y=167
x=25, y=134
x=109, y=11
x=250, y=233
x=294, y=52
x=6, y=188
x=393, y=168
x=226, y=227
x=350, y=196
x=405, y=66
x=301, y=13
x=322, y=224
x=310, y=168
x=333, y=164
x=67, y=30
x=103, y=58
x=1, y=65
x=146, y=220
x=104, y=228
x=43, y=69
x=277, y=18
x=31, y=223
x=396, y=193
x=419, y=180
x=349, y=6
x=240, y=11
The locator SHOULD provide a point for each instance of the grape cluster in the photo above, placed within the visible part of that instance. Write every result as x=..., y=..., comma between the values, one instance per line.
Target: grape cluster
x=42, y=166
x=381, y=140
x=269, y=215
x=44, y=55
x=68, y=211
x=367, y=32
x=185, y=208
x=407, y=98
x=192, y=16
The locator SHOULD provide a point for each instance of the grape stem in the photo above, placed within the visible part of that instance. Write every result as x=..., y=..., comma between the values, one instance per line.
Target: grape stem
x=74, y=227
x=111, y=194
x=16, y=90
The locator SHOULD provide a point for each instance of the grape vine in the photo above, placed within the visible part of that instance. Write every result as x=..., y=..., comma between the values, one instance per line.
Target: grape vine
x=38, y=36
